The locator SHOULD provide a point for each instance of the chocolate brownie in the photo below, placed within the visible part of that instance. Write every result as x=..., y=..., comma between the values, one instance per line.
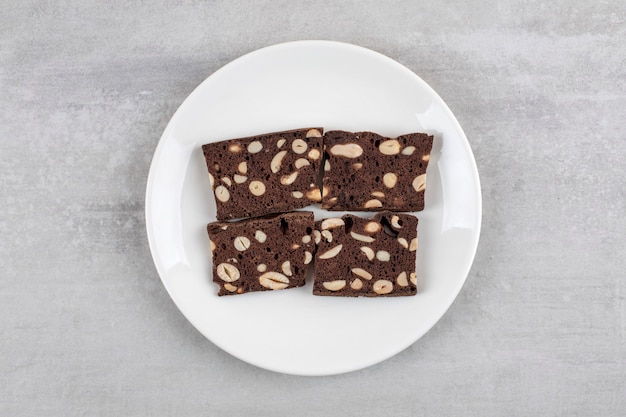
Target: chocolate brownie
x=367, y=172
x=366, y=257
x=270, y=173
x=266, y=253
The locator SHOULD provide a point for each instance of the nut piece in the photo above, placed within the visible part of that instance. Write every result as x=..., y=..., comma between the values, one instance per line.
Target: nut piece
x=317, y=236
x=301, y=162
x=211, y=179
x=274, y=280
x=395, y=222
x=227, y=272
x=289, y=179
x=308, y=257
x=240, y=179
x=362, y=238
x=357, y=166
x=294, y=246
x=383, y=256
x=327, y=235
x=234, y=148
x=332, y=223
x=261, y=268
x=413, y=246
x=280, y=143
x=222, y=194
x=327, y=165
x=382, y=286
x=276, y=161
x=362, y=273
x=335, y=285
x=372, y=227
x=413, y=277
x=368, y=252
x=257, y=188
x=260, y=236
x=419, y=183
x=408, y=150
x=227, y=181
x=242, y=167
x=213, y=247
x=242, y=243
x=314, y=154
x=314, y=195
x=299, y=146
x=331, y=253
x=390, y=147
x=255, y=147
x=372, y=203
x=378, y=194
x=297, y=194
x=401, y=279
x=402, y=241
x=349, y=150
x=357, y=284
x=313, y=133
x=286, y=268
x=390, y=179
x=306, y=239
x=426, y=158
x=230, y=287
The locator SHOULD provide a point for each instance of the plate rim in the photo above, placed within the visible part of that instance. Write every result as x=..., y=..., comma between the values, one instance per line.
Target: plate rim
x=333, y=44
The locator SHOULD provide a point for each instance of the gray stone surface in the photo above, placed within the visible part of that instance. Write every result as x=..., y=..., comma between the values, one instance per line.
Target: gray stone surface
x=86, y=89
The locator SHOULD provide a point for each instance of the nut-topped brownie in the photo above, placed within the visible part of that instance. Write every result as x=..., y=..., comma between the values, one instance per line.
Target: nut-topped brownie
x=266, y=253
x=364, y=171
x=270, y=173
x=366, y=257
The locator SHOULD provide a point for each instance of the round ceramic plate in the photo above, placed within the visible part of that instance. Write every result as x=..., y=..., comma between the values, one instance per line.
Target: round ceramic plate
x=289, y=86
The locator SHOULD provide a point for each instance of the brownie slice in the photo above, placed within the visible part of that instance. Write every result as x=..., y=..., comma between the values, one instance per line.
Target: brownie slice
x=367, y=172
x=366, y=257
x=266, y=253
x=270, y=173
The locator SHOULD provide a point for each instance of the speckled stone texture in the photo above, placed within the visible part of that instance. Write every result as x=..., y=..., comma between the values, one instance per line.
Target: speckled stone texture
x=86, y=326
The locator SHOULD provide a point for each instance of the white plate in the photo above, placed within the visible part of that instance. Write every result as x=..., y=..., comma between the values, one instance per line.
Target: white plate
x=293, y=85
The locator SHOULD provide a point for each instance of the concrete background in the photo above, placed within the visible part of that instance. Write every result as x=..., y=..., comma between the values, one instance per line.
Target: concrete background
x=86, y=89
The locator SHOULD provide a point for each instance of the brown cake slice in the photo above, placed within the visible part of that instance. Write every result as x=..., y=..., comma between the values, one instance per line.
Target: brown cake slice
x=367, y=172
x=266, y=253
x=366, y=257
x=270, y=173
